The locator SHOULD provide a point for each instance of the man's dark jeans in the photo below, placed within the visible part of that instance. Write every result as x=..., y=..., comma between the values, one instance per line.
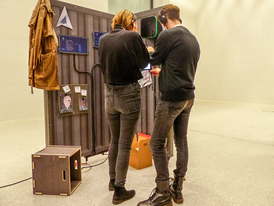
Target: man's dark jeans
x=168, y=114
x=122, y=105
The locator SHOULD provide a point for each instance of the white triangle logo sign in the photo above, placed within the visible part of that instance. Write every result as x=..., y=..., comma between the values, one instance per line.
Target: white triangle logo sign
x=64, y=19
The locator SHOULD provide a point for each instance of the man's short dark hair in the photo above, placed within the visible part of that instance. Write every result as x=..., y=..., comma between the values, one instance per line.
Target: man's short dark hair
x=170, y=11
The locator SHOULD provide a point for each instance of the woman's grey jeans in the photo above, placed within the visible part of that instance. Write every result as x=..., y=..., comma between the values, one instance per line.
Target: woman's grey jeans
x=122, y=106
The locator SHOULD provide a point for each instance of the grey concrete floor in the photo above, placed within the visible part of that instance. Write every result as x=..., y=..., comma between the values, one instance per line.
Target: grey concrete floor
x=231, y=161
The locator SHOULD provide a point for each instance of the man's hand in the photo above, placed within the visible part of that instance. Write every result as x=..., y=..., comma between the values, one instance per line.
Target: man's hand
x=155, y=71
x=150, y=49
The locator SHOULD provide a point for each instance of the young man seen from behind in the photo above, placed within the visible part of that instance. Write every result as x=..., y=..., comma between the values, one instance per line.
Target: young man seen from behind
x=177, y=50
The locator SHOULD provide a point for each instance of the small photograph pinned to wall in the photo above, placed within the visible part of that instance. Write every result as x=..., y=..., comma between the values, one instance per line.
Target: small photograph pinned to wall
x=66, y=103
x=83, y=104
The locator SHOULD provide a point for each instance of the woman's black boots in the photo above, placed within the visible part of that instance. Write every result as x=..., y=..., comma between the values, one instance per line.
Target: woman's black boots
x=121, y=195
x=176, y=189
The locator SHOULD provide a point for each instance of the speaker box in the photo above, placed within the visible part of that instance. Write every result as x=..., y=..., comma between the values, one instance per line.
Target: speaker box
x=150, y=27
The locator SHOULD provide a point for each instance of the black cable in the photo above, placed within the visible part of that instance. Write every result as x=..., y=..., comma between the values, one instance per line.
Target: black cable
x=86, y=72
x=90, y=166
x=15, y=183
x=92, y=96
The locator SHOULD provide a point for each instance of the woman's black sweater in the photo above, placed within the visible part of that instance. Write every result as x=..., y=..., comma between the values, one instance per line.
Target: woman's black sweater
x=122, y=54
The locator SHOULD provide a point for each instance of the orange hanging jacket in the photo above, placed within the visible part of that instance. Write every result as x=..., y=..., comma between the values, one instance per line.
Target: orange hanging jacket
x=43, y=65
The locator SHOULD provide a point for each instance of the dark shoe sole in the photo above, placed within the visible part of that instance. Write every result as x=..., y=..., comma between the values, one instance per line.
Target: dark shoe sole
x=178, y=201
x=117, y=202
x=173, y=196
x=169, y=204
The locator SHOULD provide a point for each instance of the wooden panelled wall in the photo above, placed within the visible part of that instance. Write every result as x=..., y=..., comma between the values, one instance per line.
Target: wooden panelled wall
x=88, y=130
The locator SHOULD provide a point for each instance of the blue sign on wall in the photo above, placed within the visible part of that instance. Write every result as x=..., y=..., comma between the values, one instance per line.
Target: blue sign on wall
x=73, y=44
x=96, y=37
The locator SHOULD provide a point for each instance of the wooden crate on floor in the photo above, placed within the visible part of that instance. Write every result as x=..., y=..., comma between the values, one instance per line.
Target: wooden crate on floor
x=56, y=170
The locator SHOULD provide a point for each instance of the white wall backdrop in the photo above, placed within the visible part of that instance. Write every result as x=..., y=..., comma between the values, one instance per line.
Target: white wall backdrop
x=101, y=5
x=188, y=10
x=236, y=39
x=158, y=3
x=133, y=6
x=237, y=44
x=187, y=13
x=16, y=99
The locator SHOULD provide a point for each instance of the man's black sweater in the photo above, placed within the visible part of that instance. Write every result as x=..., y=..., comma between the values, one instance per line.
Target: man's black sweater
x=177, y=50
x=122, y=53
